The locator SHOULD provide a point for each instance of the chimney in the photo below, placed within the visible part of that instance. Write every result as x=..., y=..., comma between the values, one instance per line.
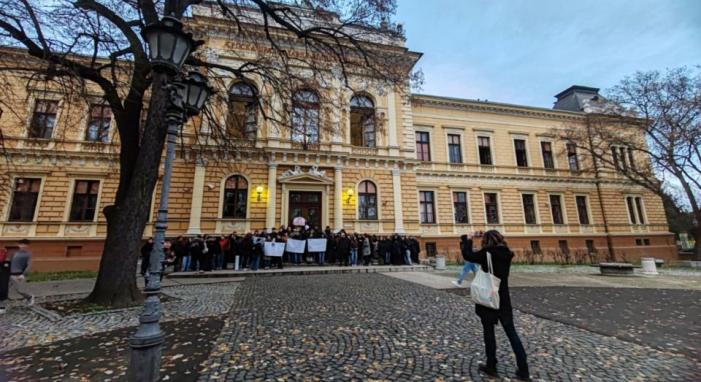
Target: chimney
x=573, y=98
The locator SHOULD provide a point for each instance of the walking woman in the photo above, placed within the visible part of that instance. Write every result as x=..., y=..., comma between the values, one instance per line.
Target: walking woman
x=494, y=243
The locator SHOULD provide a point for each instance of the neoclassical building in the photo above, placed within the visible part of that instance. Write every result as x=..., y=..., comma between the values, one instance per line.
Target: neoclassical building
x=427, y=166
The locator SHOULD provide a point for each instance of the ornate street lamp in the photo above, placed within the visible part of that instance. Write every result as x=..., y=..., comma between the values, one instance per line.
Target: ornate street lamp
x=186, y=98
x=168, y=45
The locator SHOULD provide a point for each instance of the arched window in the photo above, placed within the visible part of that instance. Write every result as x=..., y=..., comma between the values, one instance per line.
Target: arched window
x=367, y=200
x=362, y=118
x=243, y=111
x=305, y=117
x=235, y=197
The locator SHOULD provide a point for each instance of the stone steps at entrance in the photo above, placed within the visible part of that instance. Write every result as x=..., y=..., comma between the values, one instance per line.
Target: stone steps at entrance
x=303, y=270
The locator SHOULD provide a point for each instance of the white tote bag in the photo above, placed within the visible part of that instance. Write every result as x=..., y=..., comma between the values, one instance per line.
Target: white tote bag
x=485, y=287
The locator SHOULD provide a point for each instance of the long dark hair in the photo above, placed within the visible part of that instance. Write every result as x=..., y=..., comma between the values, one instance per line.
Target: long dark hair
x=492, y=239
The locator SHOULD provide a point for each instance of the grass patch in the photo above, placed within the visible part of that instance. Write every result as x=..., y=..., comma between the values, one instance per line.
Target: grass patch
x=56, y=276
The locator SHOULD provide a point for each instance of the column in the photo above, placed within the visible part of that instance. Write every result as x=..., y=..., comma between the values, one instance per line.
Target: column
x=397, y=195
x=392, y=128
x=337, y=199
x=272, y=194
x=197, y=193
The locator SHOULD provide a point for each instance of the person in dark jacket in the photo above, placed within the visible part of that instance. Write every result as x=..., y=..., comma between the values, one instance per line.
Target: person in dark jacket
x=344, y=249
x=396, y=248
x=494, y=243
x=146, y=256
x=196, y=253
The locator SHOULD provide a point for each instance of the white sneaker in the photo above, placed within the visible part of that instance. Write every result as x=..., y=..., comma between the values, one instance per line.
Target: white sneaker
x=30, y=302
x=3, y=310
x=457, y=284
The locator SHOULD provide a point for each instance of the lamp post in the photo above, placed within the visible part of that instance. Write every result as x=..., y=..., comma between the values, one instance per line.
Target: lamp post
x=168, y=49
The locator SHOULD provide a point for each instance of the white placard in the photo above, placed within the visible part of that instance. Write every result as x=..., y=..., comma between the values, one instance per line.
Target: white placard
x=273, y=249
x=295, y=246
x=316, y=245
x=258, y=240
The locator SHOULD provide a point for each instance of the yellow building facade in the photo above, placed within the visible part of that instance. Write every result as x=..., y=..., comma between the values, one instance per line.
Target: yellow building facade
x=431, y=167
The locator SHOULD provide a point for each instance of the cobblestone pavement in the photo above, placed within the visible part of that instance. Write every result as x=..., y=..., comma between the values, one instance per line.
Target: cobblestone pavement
x=373, y=327
x=663, y=318
x=24, y=327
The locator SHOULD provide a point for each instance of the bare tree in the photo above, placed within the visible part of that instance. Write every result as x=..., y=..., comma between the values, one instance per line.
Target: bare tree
x=78, y=46
x=649, y=132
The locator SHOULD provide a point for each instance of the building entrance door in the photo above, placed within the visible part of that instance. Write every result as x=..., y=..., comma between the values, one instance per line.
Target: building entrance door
x=306, y=204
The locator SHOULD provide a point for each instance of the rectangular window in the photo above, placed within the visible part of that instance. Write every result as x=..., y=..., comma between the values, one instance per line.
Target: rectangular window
x=590, y=246
x=84, y=200
x=631, y=159
x=99, y=124
x=43, y=119
x=638, y=241
x=639, y=209
x=24, y=199
x=529, y=208
x=431, y=249
x=423, y=146
x=619, y=156
x=622, y=157
x=572, y=157
x=521, y=155
x=427, y=209
x=564, y=248
x=454, y=151
x=460, y=207
x=491, y=208
x=631, y=210
x=582, y=209
x=556, y=209
x=646, y=241
x=546, y=148
x=535, y=247
x=485, y=150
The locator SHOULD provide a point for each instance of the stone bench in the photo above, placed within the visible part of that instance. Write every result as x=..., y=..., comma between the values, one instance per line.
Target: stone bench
x=616, y=269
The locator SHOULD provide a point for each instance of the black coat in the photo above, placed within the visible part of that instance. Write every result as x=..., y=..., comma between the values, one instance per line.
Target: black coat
x=501, y=264
x=344, y=246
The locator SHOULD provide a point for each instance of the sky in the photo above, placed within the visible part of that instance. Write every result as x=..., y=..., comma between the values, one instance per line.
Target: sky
x=526, y=51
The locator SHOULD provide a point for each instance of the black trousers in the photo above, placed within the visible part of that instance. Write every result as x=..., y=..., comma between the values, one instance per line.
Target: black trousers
x=490, y=342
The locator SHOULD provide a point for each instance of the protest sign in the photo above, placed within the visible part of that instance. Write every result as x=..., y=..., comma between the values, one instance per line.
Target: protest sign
x=295, y=246
x=316, y=245
x=273, y=249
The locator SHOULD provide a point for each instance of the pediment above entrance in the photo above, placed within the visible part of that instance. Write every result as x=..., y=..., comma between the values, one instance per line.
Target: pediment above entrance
x=312, y=176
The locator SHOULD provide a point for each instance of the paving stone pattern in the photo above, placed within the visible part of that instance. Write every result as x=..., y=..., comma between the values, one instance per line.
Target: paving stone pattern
x=373, y=327
x=26, y=327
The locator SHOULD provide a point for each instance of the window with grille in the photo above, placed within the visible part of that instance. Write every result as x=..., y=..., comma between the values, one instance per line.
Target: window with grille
x=84, y=202
x=491, y=208
x=423, y=146
x=24, y=199
x=43, y=119
x=426, y=207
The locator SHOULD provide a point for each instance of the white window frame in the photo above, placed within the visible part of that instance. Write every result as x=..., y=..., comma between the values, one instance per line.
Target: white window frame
x=529, y=162
x=31, y=106
x=460, y=133
x=483, y=134
x=377, y=196
x=222, y=187
x=535, y=205
x=8, y=206
x=86, y=120
x=435, y=205
x=500, y=207
x=467, y=202
x=563, y=204
x=69, y=202
x=554, y=154
x=587, y=204
x=635, y=209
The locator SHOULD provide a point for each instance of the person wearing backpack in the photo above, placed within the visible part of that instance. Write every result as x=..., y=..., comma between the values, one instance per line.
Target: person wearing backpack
x=493, y=243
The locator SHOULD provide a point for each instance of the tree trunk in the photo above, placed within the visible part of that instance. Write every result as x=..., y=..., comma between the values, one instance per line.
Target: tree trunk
x=116, y=281
x=696, y=233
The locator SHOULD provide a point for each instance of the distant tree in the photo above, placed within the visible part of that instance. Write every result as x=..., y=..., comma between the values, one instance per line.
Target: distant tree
x=648, y=129
x=75, y=46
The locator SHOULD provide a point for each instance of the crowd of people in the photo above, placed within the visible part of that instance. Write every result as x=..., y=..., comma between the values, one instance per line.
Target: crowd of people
x=205, y=253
